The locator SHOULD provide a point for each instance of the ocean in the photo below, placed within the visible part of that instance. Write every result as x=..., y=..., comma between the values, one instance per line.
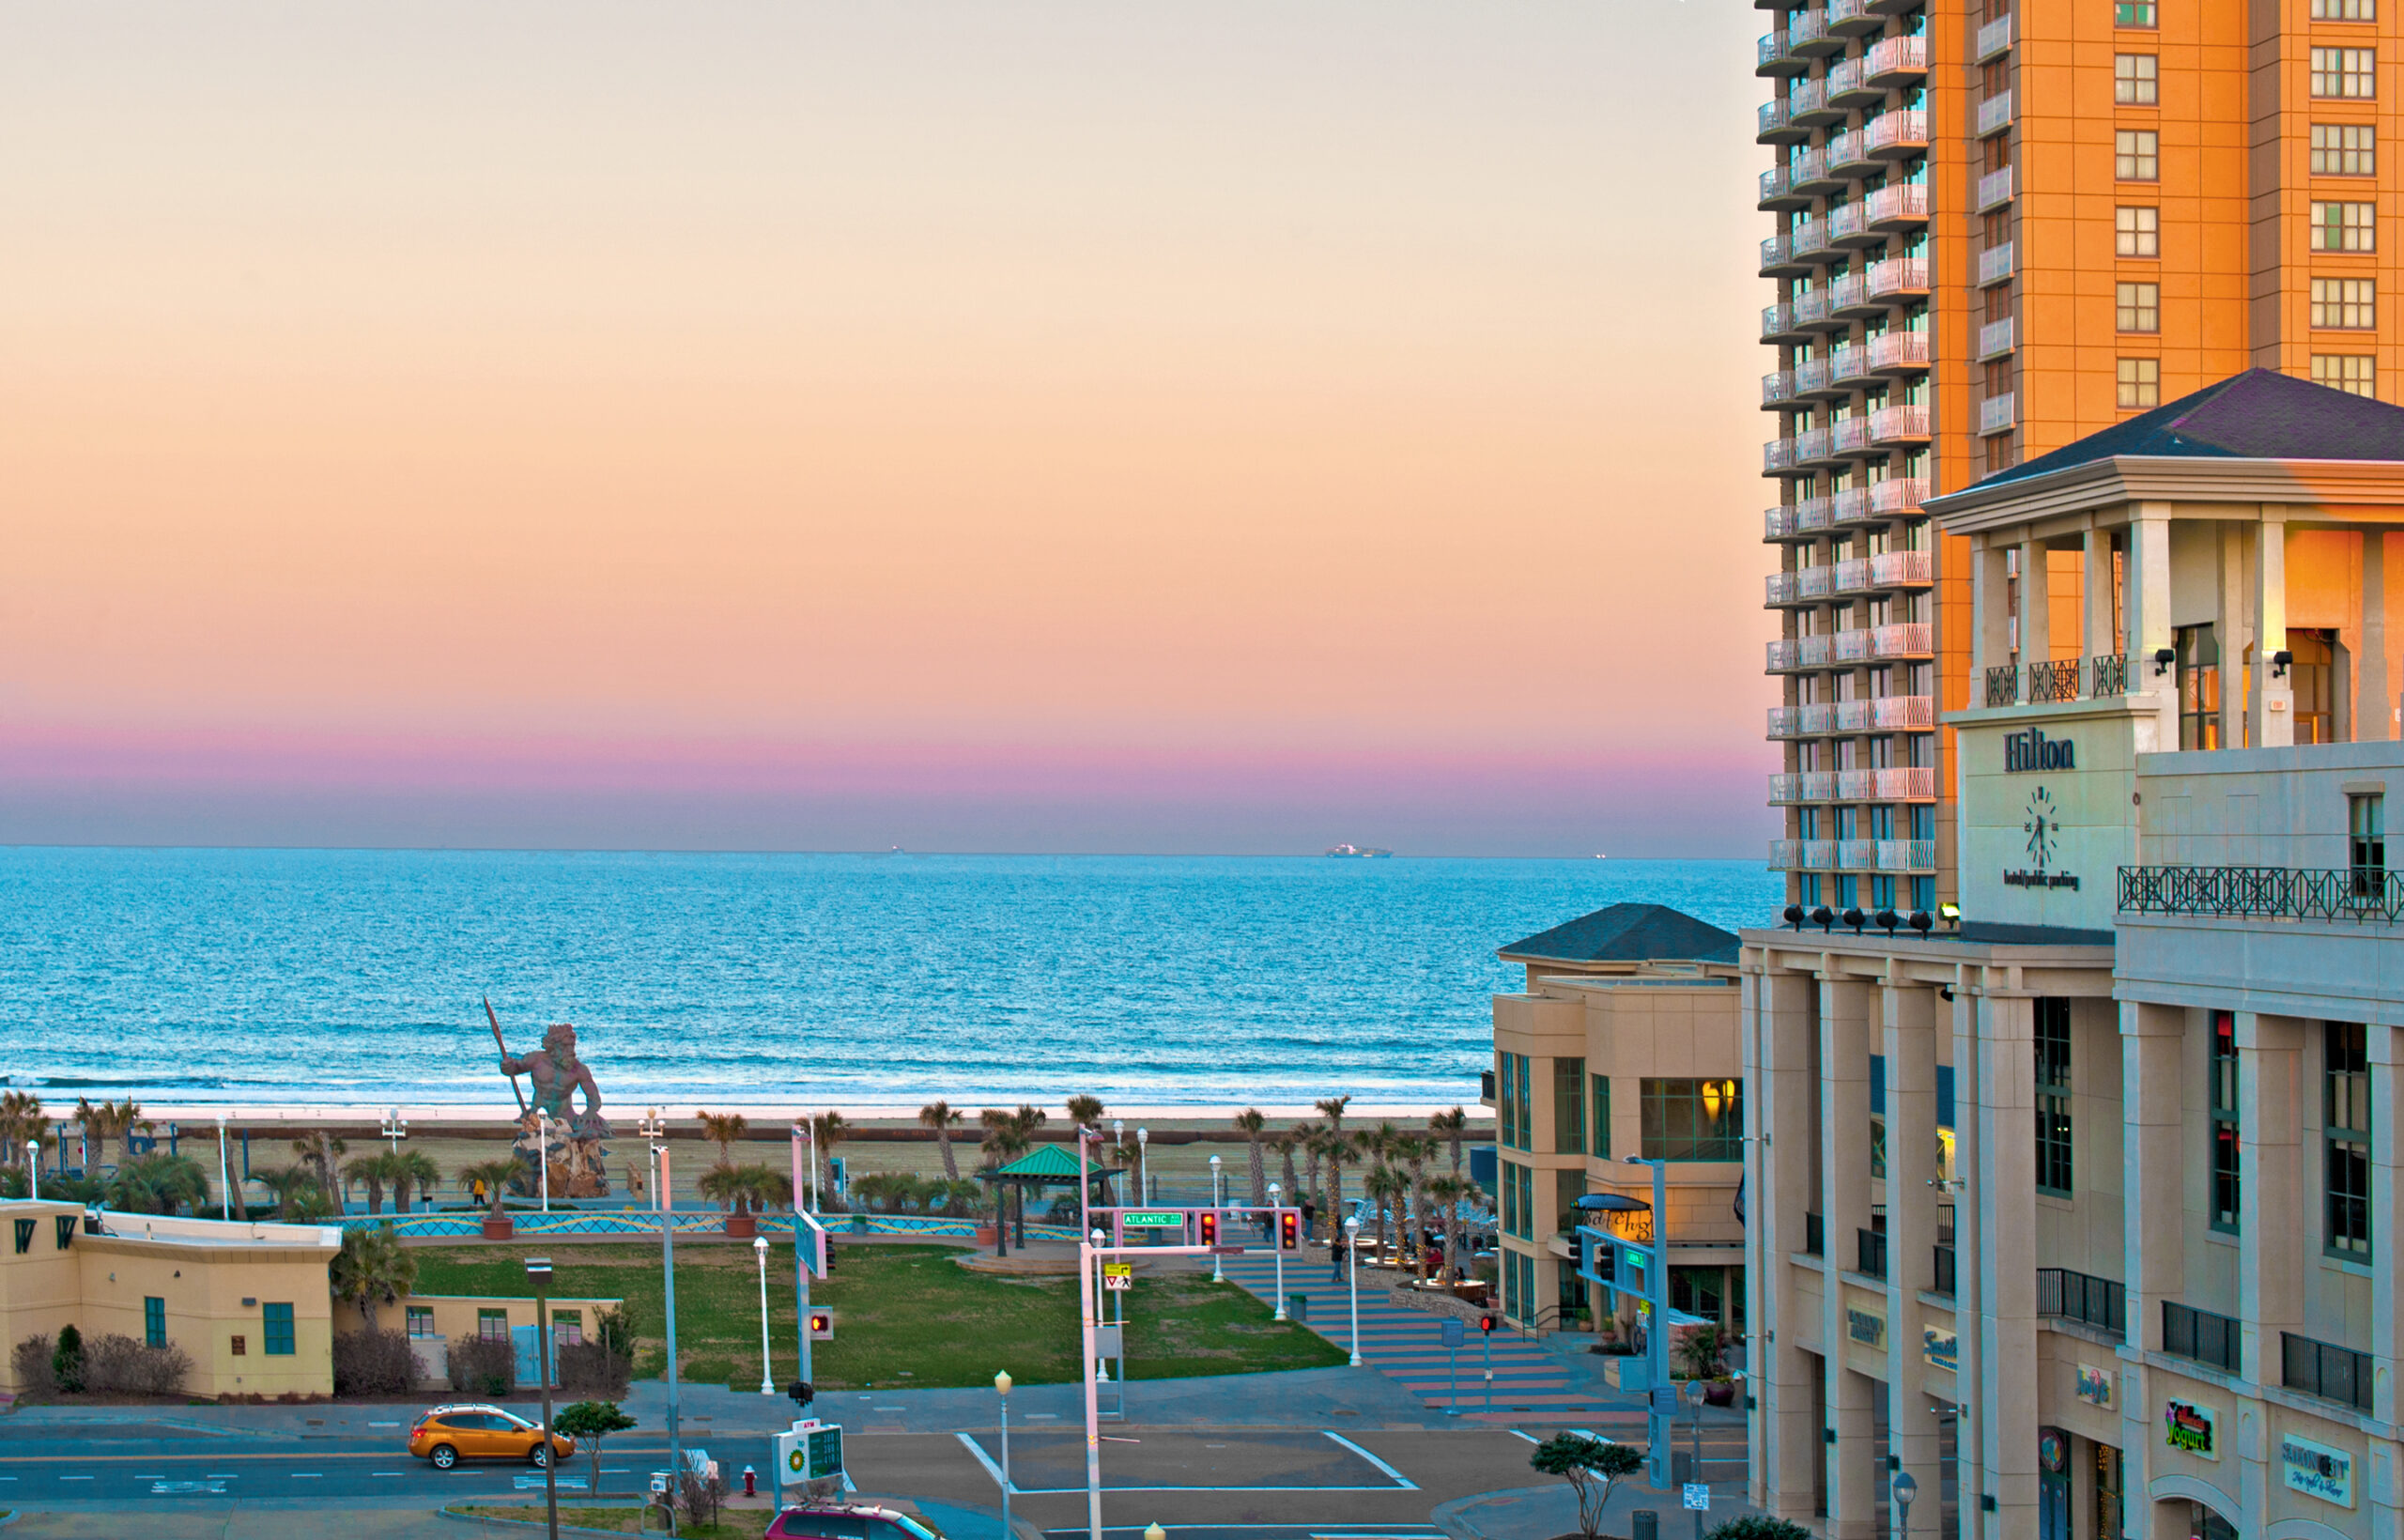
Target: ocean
x=354, y=977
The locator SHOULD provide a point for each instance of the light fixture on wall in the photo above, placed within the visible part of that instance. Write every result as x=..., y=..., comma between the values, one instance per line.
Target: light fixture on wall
x=2279, y=661
x=2163, y=658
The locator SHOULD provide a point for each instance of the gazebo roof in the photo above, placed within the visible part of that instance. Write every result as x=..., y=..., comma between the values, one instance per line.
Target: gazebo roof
x=1045, y=1162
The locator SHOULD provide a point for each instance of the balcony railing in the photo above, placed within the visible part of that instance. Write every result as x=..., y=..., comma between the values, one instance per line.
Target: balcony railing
x=1889, y=783
x=1993, y=38
x=1799, y=653
x=1815, y=1242
x=1898, y=569
x=2363, y=895
x=1779, y=523
x=1895, y=134
x=2003, y=685
x=1852, y=575
x=1815, y=582
x=1811, y=308
x=1856, y=855
x=1849, y=293
x=1808, y=101
x=1849, y=155
x=1808, y=33
x=1778, y=588
x=1843, y=86
x=2325, y=1370
x=2201, y=1335
x=1852, y=717
x=1898, y=494
x=1809, y=237
x=1850, y=222
x=1995, y=265
x=1778, y=457
x=1777, y=255
x=1776, y=187
x=1813, y=514
x=1898, y=352
x=1849, y=366
x=1904, y=855
x=1803, y=855
x=1852, y=503
x=1778, y=387
x=1777, y=320
x=1994, y=113
x=1812, y=377
x=1997, y=413
x=1895, y=61
x=1812, y=444
x=1995, y=189
x=1785, y=722
x=1995, y=338
x=1870, y=1249
x=1905, y=638
x=1898, y=277
x=2053, y=681
x=1854, y=17
x=1899, y=205
x=1850, y=435
x=2100, y=1302
x=1907, y=424
x=1819, y=718
x=1904, y=712
x=1944, y=1282
x=2067, y=679
x=1803, y=786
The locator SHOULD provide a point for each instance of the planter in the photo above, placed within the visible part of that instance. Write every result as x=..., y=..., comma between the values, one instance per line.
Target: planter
x=742, y=1226
x=499, y=1226
x=1719, y=1392
x=987, y=1235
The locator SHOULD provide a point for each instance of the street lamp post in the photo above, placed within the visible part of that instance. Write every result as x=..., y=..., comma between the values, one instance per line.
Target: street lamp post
x=538, y=1272
x=1277, y=1247
x=1694, y=1394
x=396, y=1128
x=1657, y=1333
x=543, y=1154
x=760, y=1250
x=1906, y=1489
x=1218, y=1200
x=800, y=1267
x=654, y=1130
x=1142, y=1166
x=1352, y=1238
x=224, y=1170
x=1002, y=1389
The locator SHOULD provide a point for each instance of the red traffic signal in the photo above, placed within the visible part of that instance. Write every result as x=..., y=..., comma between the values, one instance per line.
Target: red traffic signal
x=1209, y=1228
x=1485, y=1324
x=821, y=1324
x=1289, y=1231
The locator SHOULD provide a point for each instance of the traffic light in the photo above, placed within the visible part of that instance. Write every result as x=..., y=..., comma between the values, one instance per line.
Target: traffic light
x=821, y=1324
x=1485, y=1323
x=1289, y=1231
x=1209, y=1228
x=801, y=1393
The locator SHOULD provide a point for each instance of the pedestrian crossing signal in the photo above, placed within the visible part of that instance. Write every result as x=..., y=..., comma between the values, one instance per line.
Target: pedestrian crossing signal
x=1289, y=1231
x=1485, y=1324
x=1209, y=1229
x=822, y=1325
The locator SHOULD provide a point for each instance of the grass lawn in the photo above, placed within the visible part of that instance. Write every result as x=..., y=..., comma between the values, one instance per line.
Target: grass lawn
x=733, y=1524
x=905, y=1316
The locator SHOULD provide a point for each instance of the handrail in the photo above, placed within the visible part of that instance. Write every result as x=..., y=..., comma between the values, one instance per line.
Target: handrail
x=2366, y=895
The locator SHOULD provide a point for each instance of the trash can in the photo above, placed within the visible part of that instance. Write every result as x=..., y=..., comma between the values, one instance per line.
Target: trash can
x=1298, y=1307
x=1644, y=1524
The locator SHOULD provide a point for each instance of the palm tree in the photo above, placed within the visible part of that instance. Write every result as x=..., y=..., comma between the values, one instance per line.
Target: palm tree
x=1251, y=1122
x=1412, y=1151
x=1338, y=1152
x=827, y=1131
x=940, y=1116
x=1306, y=1138
x=124, y=1117
x=496, y=1176
x=1449, y=1194
x=1450, y=1125
x=1084, y=1111
x=1385, y=1187
x=724, y=1128
x=371, y=1269
x=22, y=1123
x=322, y=1153
x=371, y=1171
x=1283, y=1143
x=157, y=1184
x=415, y=1169
x=1333, y=1107
x=1004, y=1138
x=295, y=1188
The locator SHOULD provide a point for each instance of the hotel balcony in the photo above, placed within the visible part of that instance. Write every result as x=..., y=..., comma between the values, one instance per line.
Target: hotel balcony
x=1882, y=643
x=1778, y=259
x=1778, y=390
x=1900, y=353
x=1895, y=62
x=1812, y=106
x=1812, y=379
x=1851, y=367
x=1778, y=457
x=1994, y=113
x=1777, y=190
x=1998, y=413
x=1900, y=206
x=1812, y=721
x=1894, y=783
x=2067, y=679
x=1995, y=265
x=1853, y=504
x=1852, y=575
x=1811, y=445
x=1812, y=514
x=1997, y=338
x=1895, y=855
x=1898, y=278
x=1903, y=424
x=1992, y=41
x=1779, y=523
x=1840, y=441
x=1849, y=226
x=1810, y=176
x=1893, y=570
x=1803, y=855
x=1813, y=241
x=1809, y=34
x=1803, y=786
x=1902, y=714
x=1811, y=311
x=1898, y=135
x=1995, y=189
x=1845, y=88
x=1788, y=654
x=1814, y=582
x=1897, y=495
x=1854, y=19
x=1775, y=55
x=1777, y=324
x=1775, y=122
x=1849, y=301
x=1849, y=157
x=1778, y=588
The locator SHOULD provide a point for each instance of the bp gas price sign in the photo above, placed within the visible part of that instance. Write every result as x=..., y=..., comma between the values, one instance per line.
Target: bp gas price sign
x=811, y=1451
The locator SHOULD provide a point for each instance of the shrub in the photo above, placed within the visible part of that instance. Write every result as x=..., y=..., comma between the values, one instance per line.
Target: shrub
x=67, y=1361
x=31, y=1361
x=483, y=1366
x=590, y=1370
x=1759, y=1527
x=374, y=1363
x=1591, y=1466
x=118, y=1365
x=700, y=1496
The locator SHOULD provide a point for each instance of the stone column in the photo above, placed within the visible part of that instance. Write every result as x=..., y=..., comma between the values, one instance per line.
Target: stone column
x=1910, y=1032
x=2101, y=635
x=2036, y=604
x=2156, y=1152
x=2272, y=714
x=1990, y=622
x=2145, y=617
x=2386, y=1233
x=1781, y=1105
x=1970, y=1469
x=2271, y=1190
x=2003, y=1191
x=1845, y=1212
x=2374, y=700
x=2230, y=632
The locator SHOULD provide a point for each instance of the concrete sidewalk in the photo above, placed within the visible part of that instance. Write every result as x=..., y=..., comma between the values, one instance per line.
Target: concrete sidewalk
x=1541, y=1513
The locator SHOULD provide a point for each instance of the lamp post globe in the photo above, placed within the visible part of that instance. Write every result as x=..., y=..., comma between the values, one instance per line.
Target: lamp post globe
x=1002, y=1388
x=1906, y=1489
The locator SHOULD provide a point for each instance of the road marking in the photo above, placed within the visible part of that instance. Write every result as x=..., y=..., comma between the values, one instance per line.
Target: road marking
x=1516, y=1434
x=1399, y=1479
x=383, y=1472
x=1042, y=1416
x=987, y=1461
x=308, y=1475
x=75, y=1478
x=888, y=1409
x=178, y=1488
x=383, y=1425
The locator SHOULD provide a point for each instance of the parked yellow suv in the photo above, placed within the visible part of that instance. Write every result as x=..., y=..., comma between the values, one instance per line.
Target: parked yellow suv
x=475, y=1431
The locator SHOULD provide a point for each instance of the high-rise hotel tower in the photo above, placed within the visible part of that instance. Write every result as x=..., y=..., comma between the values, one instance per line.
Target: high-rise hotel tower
x=2001, y=225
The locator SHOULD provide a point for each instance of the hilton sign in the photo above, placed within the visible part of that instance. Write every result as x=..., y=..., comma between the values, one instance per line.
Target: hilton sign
x=2032, y=750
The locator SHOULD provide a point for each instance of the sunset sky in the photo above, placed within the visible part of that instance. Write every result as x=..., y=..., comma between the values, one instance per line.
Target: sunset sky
x=1051, y=426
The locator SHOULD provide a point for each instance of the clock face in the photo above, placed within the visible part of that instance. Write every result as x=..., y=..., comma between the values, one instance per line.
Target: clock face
x=2043, y=826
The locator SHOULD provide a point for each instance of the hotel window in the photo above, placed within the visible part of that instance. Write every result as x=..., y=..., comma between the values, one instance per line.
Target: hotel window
x=2345, y=11
x=2137, y=80
x=2198, y=686
x=2221, y=1100
x=2110, y=1506
x=2134, y=14
x=154, y=1322
x=2139, y=307
x=1692, y=1119
x=26, y=1229
x=2136, y=232
x=492, y=1325
x=1515, y=1119
x=2346, y=1109
x=2345, y=304
x=2136, y=155
x=1567, y=1188
x=1924, y=894
x=1527, y=1202
x=2366, y=844
x=1569, y=1106
x=2344, y=73
x=1602, y=1124
x=2354, y=373
x=2345, y=227
x=567, y=1328
x=275, y=1327
x=2140, y=384
x=2054, y=1171
x=2344, y=150
x=420, y=1321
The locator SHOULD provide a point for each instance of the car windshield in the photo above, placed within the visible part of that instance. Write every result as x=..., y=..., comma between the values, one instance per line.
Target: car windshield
x=919, y=1529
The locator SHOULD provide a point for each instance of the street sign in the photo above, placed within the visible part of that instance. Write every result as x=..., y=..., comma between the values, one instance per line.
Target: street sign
x=1152, y=1219
x=1452, y=1332
x=1696, y=1496
x=1107, y=1342
x=1665, y=1400
x=1117, y=1276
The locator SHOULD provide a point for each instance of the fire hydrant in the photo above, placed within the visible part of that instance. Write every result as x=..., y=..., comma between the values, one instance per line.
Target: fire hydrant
x=751, y=1482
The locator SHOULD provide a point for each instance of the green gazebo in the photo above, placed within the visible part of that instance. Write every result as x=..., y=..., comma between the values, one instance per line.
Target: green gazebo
x=1046, y=1165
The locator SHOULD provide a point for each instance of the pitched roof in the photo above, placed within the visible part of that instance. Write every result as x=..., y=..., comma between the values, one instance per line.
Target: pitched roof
x=1048, y=1162
x=1627, y=933
x=2259, y=415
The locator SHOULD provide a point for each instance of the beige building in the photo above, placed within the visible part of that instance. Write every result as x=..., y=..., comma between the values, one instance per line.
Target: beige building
x=2168, y=1020
x=1624, y=1042
x=247, y=1301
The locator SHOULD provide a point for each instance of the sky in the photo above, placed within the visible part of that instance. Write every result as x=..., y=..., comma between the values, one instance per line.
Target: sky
x=1058, y=427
